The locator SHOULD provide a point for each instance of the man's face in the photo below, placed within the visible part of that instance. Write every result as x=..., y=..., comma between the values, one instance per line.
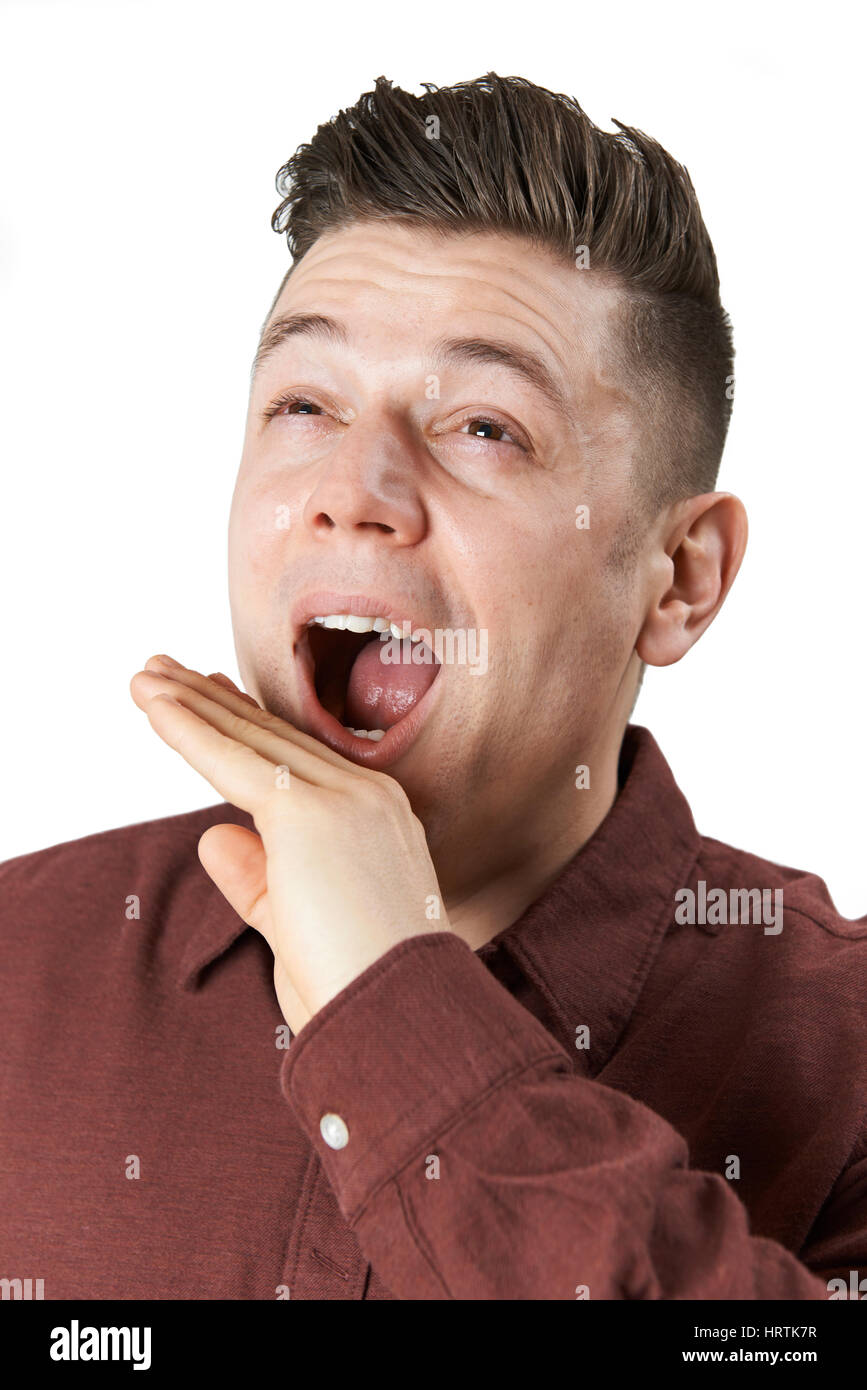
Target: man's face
x=417, y=478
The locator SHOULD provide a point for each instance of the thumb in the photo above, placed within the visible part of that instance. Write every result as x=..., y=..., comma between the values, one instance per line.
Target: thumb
x=234, y=858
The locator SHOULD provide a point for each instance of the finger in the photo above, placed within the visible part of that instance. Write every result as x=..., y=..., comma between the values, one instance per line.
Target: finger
x=220, y=679
x=252, y=711
x=233, y=768
x=229, y=715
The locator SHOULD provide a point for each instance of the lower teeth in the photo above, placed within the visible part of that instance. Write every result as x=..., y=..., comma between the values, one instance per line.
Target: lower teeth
x=373, y=734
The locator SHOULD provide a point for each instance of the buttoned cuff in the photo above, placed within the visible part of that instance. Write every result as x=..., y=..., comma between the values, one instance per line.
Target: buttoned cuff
x=400, y=1055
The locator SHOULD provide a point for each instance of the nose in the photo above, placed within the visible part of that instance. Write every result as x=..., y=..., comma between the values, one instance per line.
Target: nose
x=369, y=487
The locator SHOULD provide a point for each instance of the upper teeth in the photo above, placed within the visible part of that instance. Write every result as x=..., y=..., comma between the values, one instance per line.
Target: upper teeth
x=350, y=622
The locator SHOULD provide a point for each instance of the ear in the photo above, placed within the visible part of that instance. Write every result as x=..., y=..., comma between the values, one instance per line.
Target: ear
x=699, y=554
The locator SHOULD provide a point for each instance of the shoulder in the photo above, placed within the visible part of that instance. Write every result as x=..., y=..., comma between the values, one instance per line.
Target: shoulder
x=800, y=897
x=77, y=876
x=783, y=943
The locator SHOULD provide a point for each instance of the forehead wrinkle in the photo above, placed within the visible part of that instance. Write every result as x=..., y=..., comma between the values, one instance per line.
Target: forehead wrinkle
x=491, y=250
x=557, y=349
x=390, y=274
x=605, y=282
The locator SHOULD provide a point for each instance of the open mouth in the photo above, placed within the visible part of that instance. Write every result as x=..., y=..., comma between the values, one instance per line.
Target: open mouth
x=369, y=677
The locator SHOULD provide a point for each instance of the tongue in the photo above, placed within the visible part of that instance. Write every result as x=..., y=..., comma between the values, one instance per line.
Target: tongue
x=380, y=693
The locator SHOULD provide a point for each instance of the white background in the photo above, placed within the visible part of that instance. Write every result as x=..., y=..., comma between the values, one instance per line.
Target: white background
x=140, y=144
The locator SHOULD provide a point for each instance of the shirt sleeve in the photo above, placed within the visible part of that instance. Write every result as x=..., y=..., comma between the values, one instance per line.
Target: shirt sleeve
x=477, y=1164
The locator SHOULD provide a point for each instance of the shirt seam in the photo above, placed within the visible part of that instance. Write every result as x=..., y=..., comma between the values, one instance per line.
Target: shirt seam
x=825, y=926
x=514, y=1073
x=419, y=1240
x=309, y=1186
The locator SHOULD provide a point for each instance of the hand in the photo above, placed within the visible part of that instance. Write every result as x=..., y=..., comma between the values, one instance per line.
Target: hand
x=339, y=870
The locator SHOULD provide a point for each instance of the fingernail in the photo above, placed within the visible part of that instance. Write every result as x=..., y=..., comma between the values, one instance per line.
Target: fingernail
x=166, y=661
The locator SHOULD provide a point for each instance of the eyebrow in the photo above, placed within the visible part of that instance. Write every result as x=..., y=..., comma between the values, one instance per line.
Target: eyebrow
x=294, y=326
x=521, y=362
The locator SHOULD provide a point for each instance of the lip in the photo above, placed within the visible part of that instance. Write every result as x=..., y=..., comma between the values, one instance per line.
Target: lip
x=323, y=725
x=397, y=610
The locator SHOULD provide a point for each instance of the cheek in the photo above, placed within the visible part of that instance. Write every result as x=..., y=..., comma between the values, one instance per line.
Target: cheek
x=572, y=655
x=260, y=524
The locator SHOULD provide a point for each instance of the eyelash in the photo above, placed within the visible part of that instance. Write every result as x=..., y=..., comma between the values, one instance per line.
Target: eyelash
x=295, y=398
x=288, y=398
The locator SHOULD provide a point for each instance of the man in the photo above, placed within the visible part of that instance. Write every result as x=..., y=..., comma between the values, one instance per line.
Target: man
x=533, y=1036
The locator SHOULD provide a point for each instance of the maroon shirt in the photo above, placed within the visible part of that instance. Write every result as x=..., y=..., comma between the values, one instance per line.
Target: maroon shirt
x=709, y=1142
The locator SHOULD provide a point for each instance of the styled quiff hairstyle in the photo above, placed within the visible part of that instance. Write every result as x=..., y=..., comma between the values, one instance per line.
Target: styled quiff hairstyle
x=504, y=155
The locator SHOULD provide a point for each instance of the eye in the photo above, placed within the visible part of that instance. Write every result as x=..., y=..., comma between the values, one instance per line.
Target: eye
x=291, y=404
x=488, y=427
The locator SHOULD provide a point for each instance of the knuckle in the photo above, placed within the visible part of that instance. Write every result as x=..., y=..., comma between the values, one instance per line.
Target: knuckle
x=237, y=726
x=386, y=793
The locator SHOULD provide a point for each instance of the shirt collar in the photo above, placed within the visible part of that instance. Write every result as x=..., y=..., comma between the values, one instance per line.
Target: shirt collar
x=587, y=944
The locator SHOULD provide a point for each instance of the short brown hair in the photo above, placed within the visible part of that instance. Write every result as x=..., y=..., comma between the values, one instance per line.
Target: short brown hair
x=510, y=156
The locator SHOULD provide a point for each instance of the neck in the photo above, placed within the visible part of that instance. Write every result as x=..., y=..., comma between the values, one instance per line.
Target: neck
x=531, y=854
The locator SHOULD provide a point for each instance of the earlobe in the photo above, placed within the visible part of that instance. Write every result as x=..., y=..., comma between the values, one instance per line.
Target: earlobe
x=699, y=559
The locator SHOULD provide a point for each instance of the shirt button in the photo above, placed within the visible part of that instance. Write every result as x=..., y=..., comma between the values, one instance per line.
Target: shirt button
x=334, y=1131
